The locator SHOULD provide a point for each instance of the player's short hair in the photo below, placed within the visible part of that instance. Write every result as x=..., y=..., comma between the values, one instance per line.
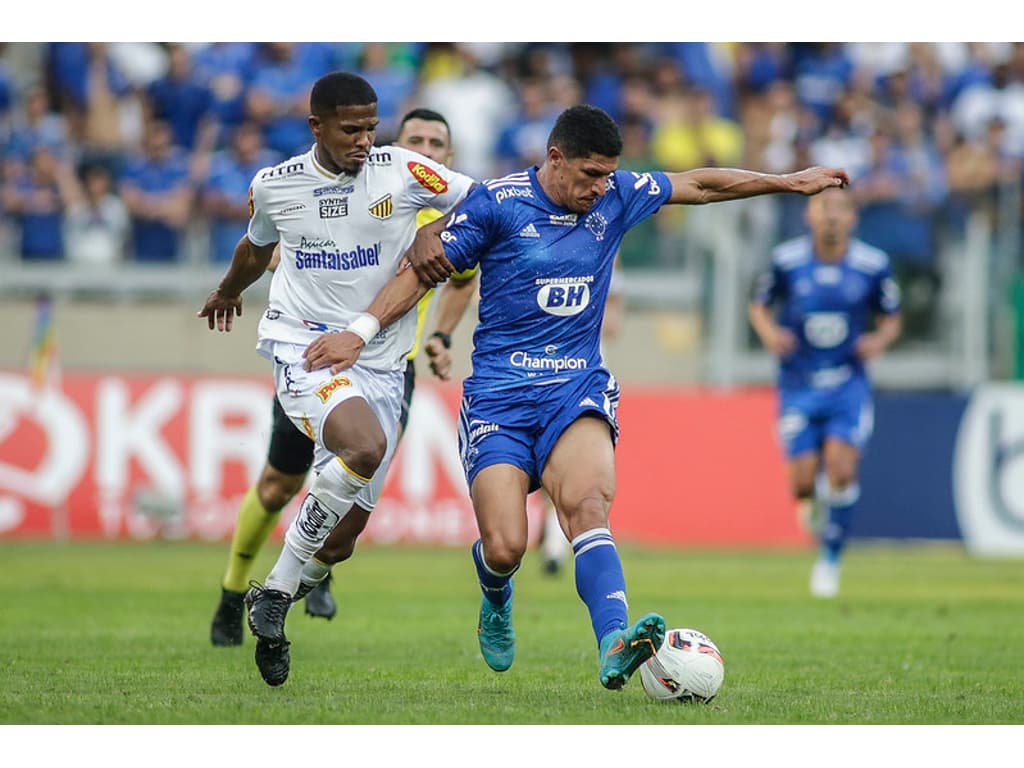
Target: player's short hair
x=585, y=130
x=340, y=89
x=424, y=114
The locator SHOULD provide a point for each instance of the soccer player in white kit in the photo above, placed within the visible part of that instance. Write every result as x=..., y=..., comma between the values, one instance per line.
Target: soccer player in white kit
x=343, y=213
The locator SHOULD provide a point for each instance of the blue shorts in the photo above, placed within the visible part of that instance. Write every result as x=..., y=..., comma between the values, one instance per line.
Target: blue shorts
x=808, y=417
x=521, y=426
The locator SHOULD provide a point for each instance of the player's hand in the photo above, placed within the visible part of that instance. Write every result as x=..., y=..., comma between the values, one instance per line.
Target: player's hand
x=220, y=310
x=781, y=342
x=440, y=358
x=426, y=255
x=870, y=346
x=811, y=181
x=338, y=350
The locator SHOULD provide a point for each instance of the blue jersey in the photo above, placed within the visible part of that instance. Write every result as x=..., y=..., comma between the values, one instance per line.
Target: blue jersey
x=826, y=306
x=544, y=273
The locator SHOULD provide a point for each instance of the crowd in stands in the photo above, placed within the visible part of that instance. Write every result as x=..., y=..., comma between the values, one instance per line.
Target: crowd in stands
x=113, y=152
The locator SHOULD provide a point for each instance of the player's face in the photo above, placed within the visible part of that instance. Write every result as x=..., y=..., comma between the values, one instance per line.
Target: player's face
x=831, y=216
x=428, y=137
x=582, y=181
x=344, y=138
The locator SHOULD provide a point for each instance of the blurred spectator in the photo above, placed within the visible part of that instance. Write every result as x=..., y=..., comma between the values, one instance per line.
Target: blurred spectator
x=184, y=101
x=97, y=223
x=226, y=192
x=33, y=126
x=821, y=73
x=690, y=134
x=36, y=198
x=707, y=67
x=474, y=99
x=758, y=67
x=393, y=80
x=225, y=67
x=6, y=98
x=523, y=141
x=278, y=96
x=156, y=188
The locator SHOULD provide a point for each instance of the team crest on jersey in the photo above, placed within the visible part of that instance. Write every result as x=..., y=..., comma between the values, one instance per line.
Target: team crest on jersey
x=427, y=177
x=597, y=224
x=383, y=208
x=328, y=389
x=333, y=207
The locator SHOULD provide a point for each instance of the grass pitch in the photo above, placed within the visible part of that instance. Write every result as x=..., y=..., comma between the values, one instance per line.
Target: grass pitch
x=119, y=634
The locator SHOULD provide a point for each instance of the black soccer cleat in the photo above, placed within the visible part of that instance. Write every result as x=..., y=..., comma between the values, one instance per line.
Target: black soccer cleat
x=320, y=601
x=268, y=609
x=273, y=660
x=226, y=627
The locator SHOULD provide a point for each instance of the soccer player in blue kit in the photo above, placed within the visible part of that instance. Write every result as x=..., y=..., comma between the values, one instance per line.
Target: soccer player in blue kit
x=539, y=409
x=828, y=286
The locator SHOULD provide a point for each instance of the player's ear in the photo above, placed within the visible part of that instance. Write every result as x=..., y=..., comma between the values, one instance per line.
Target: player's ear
x=314, y=125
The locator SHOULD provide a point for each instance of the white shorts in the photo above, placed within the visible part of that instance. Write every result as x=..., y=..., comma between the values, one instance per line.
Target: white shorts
x=308, y=397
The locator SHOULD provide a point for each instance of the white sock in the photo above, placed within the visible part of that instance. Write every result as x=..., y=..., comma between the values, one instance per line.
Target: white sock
x=329, y=499
x=314, y=572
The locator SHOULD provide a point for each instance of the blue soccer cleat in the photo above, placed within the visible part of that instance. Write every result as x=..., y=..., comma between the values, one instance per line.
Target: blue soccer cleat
x=624, y=650
x=496, y=635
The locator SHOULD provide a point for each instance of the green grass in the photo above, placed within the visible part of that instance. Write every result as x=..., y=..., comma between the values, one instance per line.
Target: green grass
x=118, y=634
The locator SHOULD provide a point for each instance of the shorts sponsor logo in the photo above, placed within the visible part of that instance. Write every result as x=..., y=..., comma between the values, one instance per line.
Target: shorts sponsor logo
x=428, y=177
x=480, y=429
x=333, y=207
x=358, y=258
x=325, y=391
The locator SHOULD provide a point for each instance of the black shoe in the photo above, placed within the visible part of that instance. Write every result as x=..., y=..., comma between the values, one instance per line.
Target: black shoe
x=268, y=609
x=226, y=628
x=320, y=601
x=273, y=660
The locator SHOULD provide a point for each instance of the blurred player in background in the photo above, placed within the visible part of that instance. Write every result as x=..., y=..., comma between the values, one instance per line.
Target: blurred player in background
x=540, y=409
x=828, y=286
x=343, y=213
x=290, y=454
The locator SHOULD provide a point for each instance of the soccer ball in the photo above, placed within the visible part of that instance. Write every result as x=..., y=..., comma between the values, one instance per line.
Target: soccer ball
x=688, y=668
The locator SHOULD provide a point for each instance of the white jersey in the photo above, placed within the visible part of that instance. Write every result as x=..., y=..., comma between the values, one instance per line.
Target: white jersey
x=341, y=238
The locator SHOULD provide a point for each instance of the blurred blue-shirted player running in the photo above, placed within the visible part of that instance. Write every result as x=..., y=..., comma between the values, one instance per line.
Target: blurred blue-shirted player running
x=828, y=288
x=540, y=407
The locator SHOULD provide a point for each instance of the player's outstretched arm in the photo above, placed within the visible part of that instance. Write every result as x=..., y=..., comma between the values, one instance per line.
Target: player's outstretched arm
x=715, y=185
x=341, y=350
x=225, y=301
x=451, y=306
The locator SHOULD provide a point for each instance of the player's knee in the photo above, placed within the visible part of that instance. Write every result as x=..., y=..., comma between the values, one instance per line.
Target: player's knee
x=364, y=458
x=587, y=511
x=804, y=489
x=502, y=554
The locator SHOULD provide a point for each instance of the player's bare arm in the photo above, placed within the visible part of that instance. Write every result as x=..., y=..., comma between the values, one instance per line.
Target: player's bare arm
x=341, y=350
x=225, y=301
x=874, y=344
x=714, y=185
x=451, y=306
x=776, y=339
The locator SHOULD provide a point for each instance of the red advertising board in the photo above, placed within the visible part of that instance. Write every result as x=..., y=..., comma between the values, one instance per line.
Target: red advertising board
x=145, y=456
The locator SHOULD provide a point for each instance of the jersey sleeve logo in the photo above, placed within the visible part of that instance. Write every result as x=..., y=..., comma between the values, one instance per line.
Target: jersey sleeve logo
x=252, y=204
x=427, y=177
x=383, y=208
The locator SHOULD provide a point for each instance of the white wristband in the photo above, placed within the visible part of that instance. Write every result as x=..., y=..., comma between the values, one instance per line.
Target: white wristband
x=365, y=327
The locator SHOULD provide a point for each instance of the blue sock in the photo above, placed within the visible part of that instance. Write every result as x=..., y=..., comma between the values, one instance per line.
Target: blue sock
x=600, y=582
x=497, y=587
x=840, y=514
